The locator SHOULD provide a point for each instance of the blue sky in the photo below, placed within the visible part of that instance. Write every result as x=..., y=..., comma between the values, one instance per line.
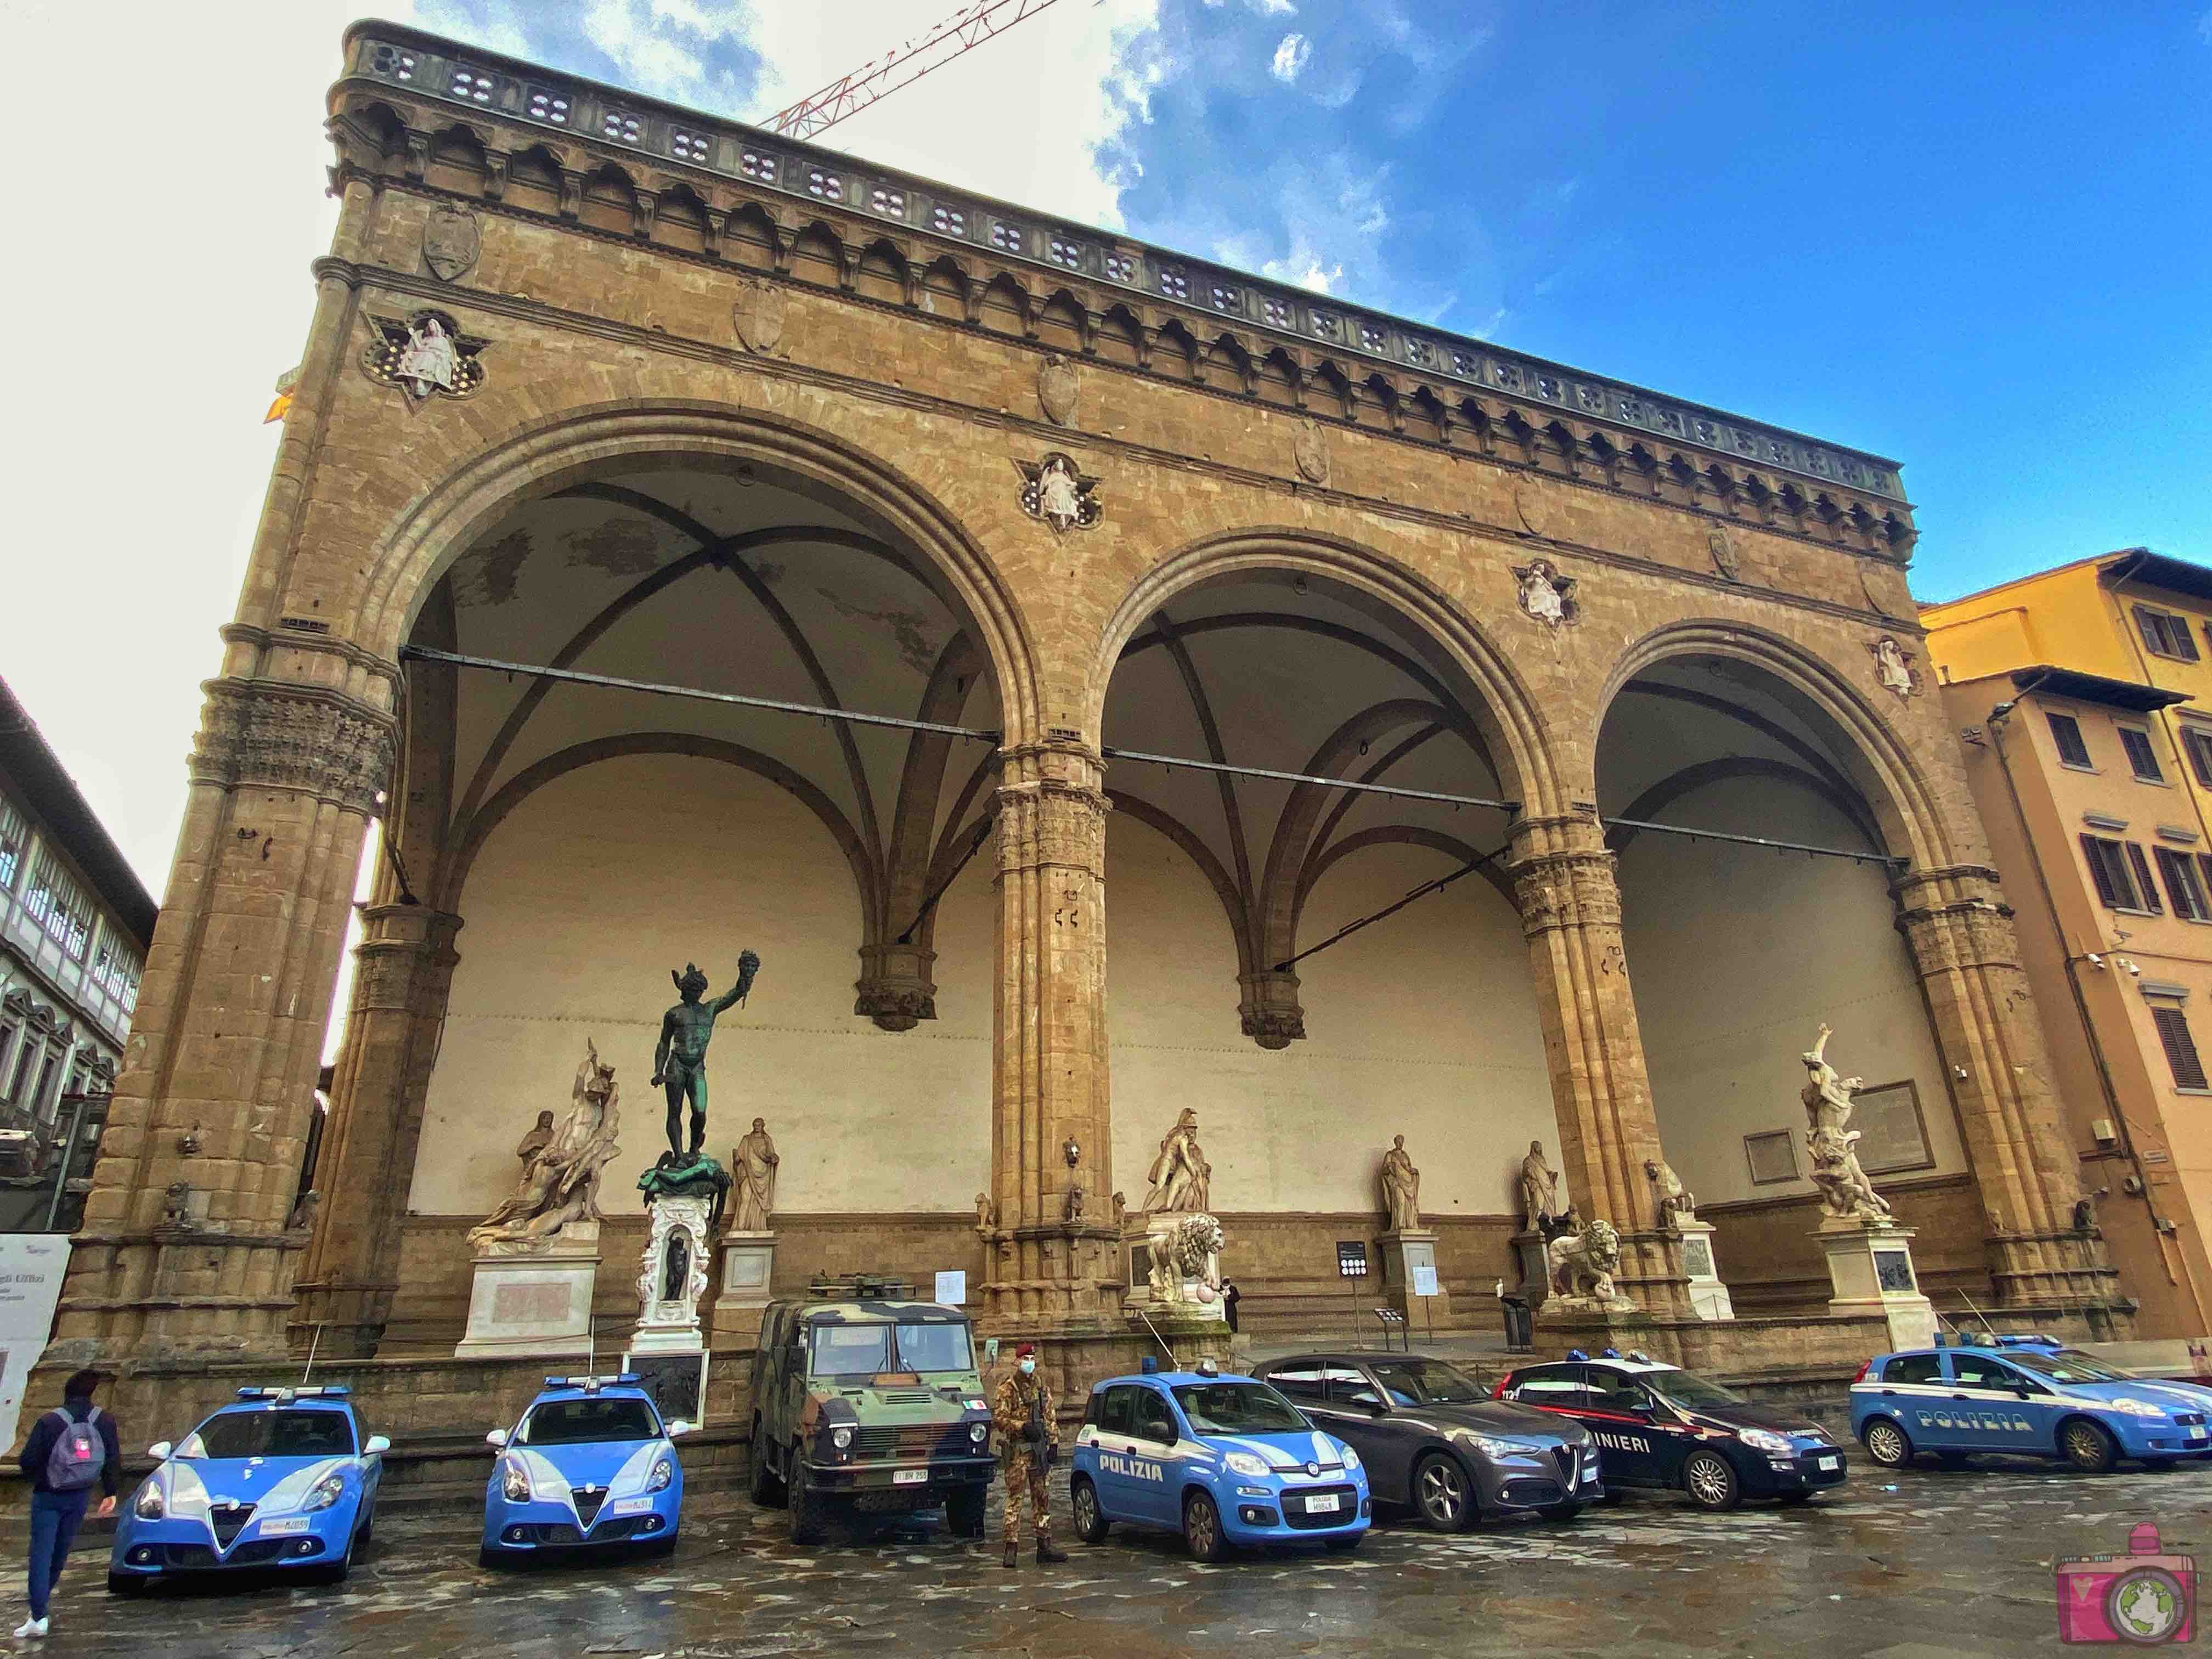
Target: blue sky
x=1972, y=238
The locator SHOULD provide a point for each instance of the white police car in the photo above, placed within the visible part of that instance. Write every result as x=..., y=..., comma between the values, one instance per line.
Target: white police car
x=1225, y=1461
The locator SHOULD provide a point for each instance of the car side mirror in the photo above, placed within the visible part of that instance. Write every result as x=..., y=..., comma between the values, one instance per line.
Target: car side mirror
x=1644, y=1407
x=160, y=1451
x=497, y=1438
x=378, y=1445
x=678, y=1427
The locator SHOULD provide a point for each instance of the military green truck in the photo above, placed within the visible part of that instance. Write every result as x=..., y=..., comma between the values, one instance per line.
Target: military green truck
x=866, y=1402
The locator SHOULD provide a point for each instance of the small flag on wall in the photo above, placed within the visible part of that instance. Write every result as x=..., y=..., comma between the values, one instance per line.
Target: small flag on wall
x=285, y=384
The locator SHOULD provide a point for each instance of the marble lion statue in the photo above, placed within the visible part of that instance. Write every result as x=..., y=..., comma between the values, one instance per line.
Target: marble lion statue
x=1583, y=1264
x=1191, y=1253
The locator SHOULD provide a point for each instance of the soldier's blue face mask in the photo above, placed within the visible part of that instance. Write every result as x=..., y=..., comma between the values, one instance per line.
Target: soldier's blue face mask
x=1028, y=1365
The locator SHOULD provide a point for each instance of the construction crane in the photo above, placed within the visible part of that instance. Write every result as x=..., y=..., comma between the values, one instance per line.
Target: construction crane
x=849, y=94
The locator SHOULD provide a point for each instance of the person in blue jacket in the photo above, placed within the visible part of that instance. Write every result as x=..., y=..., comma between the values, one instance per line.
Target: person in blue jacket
x=68, y=1450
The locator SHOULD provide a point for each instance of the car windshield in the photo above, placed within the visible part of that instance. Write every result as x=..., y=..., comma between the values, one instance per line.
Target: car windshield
x=1428, y=1382
x=1238, y=1409
x=874, y=1349
x=2067, y=1366
x=576, y=1422
x=271, y=1434
x=1684, y=1388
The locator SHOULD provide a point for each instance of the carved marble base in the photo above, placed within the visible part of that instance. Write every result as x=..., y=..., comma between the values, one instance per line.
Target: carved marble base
x=677, y=1382
x=1406, y=1253
x=1709, y=1297
x=748, y=1266
x=535, y=1305
x=1871, y=1268
x=677, y=1248
x=1147, y=1238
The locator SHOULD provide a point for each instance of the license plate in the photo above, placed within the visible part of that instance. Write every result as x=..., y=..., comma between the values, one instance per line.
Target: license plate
x=909, y=1476
x=290, y=1524
x=1832, y=1463
x=629, y=1506
x=1323, y=1504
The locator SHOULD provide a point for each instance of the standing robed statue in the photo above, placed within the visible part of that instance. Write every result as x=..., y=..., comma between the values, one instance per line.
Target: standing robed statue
x=679, y=1060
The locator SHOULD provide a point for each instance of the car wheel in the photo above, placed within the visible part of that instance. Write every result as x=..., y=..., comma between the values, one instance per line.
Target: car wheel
x=1710, y=1482
x=767, y=1491
x=2087, y=1446
x=125, y=1584
x=1201, y=1530
x=1886, y=1444
x=1440, y=1493
x=806, y=1507
x=1560, y=1512
x=963, y=1512
x=1092, y=1525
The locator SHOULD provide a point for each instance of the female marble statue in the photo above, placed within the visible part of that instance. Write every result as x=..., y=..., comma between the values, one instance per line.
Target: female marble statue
x=1181, y=1176
x=429, y=358
x=1402, y=1186
x=560, y=1182
x=756, y=1159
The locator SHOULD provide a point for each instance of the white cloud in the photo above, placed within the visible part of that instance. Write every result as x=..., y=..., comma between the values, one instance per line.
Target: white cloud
x=1290, y=59
x=1273, y=8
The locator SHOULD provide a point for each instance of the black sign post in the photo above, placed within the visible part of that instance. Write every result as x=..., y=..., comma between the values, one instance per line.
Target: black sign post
x=1351, y=1268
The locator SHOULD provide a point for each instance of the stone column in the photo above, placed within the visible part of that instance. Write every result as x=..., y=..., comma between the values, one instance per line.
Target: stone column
x=295, y=747
x=405, y=968
x=1565, y=881
x=1964, y=950
x=1049, y=1074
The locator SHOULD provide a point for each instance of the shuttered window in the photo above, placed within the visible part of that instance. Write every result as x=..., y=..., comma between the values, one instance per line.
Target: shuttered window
x=2166, y=634
x=2183, y=886
x=2066, y=732
x=2144, y=885
x=2108, y=869
x=2143, y=759
x=2180, y=1047
x=2196, y=744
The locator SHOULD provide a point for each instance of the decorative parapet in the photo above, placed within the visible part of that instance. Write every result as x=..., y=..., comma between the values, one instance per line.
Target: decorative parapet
x=693, y=151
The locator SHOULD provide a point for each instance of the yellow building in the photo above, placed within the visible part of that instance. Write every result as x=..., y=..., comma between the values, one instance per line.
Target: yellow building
x=2083, y=700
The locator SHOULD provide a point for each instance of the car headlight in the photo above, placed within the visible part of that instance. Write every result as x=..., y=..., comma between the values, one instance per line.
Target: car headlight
x=979, y=1432
x=1244, y=1464
x=841, y=1439
x=149, y=1505
x=327, y=1492
x=1490, y=1446
x=514, y=1481
x=1351, y=1457
x=663, y=1473
x=2134, y=1408
x=1766, y=1440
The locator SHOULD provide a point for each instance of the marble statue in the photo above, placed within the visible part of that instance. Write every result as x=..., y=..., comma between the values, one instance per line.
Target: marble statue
x=1890, y=667
x=1540, y=1189
x=560, y=1184
x=1676, y=1202
x=1189, y=1254
x=1582, y=1265
x=679, y=1059
x=1401, y=1187
x=1120, y=1210
x=1845, y=1192
x=1072, y=1207
x=535, y=1141
x=753, y=1162
x=987, y=1216
x=1058, y=500
x=1181, y=1177
x=429, y=358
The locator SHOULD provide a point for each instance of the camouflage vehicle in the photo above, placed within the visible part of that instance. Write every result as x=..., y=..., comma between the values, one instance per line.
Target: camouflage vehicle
x=867, y=1402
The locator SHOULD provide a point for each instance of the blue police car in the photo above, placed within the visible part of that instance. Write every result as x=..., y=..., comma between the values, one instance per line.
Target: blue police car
x=1225, y=1461
x=588, y=1465
x=2028, y=1395
x=283, y=1480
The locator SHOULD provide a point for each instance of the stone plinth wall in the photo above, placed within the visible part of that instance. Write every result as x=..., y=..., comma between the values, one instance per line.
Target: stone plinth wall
x=1771, y=1264
x=1284, y=1266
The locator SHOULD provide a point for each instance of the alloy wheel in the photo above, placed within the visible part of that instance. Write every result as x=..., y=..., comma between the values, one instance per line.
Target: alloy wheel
x=1886, y=1444
x=1441, y=1491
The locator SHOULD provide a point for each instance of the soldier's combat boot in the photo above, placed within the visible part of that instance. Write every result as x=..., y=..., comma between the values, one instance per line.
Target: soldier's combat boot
x=1014, y=1554
x=1048, y=1555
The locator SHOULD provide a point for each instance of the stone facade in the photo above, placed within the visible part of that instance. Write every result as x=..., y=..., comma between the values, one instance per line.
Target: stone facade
x=877, y=344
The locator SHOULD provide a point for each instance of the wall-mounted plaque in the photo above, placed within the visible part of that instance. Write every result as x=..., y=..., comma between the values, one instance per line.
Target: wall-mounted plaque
x=1894, y=1270
x=1892, y=1134
x=1772, y=1157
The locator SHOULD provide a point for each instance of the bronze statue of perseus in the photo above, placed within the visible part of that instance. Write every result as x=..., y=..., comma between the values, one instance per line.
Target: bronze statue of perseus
x=679, y=1060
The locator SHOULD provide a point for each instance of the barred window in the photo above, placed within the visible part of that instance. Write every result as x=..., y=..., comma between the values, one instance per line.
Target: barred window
x=2180, y=1047
x=2066, y=732
x=2143, y=759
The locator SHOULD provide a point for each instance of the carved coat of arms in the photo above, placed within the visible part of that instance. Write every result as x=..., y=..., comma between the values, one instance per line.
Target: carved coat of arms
x=757, y=315
x=1055, y=492
x=451, y=242
x=1726, y=559
x=1546, y=595
x=1309, y=452
x=1057, y=386
x=426, y=355
x=1892, y=666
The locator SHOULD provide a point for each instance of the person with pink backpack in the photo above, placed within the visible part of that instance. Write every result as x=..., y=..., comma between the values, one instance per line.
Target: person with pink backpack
x=68, y=1450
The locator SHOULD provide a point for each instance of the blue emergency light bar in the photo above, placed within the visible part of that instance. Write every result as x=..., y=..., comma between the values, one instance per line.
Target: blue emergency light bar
x=625, y=1379
x=321, y=1391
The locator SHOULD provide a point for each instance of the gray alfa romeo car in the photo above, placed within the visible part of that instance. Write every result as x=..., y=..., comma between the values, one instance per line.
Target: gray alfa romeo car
x=1434, y=1440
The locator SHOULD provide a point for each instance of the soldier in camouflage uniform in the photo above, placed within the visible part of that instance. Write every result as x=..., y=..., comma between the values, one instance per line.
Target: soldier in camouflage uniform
x=1022, y=1413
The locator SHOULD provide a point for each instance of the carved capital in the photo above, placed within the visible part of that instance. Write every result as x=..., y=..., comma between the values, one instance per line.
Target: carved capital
x=399, y=942
x=1271, y=1016
x=1052, y=808
x=1576, y=888
x=262, y=734
x=895, y=988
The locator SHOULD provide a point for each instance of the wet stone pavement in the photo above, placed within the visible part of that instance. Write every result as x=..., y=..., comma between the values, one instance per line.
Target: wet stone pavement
x=1907, y=1566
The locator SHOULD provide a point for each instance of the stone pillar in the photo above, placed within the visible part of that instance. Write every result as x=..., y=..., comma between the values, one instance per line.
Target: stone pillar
x=1049, y=1074
x=1965, y=952
x=295, y=748
x=404, y=969
x=1565, y=882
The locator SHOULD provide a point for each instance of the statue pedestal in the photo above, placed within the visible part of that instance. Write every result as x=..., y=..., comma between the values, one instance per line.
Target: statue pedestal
x=1186, y=1302
x=1409, y=1264
x=1708, y=1297
x=1871, y=1268
x=1535, y=1268
x=675, y=1277
x=748, y=1266
x=534, y=1303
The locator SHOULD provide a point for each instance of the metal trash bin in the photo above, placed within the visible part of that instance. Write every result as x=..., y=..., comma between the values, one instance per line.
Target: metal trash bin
x=1520, y=1324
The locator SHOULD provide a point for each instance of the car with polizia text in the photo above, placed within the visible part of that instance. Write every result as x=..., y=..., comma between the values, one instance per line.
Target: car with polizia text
x=868, y=1405
x=1660, y=1427
x=1432, y=1437
x=588, y=1466
x=284, y=1480
x=2028, y=1395
x=1225, y=1461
